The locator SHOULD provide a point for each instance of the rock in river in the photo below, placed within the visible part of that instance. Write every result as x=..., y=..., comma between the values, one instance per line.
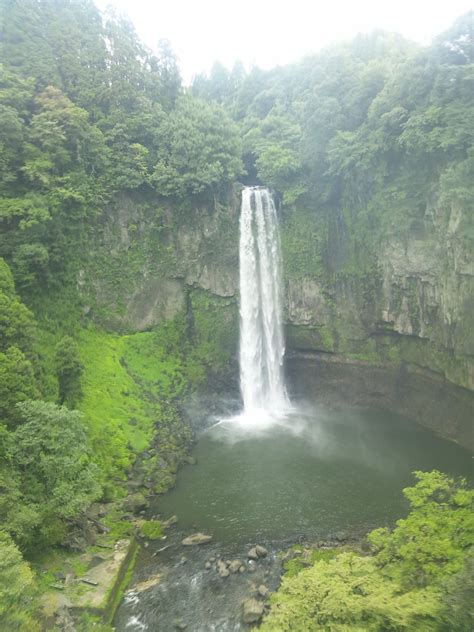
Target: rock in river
x=257, y=552
x=234, y=566
x=222, y=569
x=252, y=611
x=196, y=538
x=252, y=554
x=170, y=522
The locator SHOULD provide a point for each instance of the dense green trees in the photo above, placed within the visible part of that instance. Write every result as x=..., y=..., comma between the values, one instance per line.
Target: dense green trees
x=414, y=579
x=92, y=112
x=88, y=111
x=46, y=477
x=49, y=478
x=361, y=124
x=17, y=330
x=199, y=149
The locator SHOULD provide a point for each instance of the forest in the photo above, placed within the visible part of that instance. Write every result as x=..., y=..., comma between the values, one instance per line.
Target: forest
x=358, y=142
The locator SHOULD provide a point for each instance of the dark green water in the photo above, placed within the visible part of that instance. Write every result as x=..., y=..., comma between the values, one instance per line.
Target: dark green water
x=322, y=471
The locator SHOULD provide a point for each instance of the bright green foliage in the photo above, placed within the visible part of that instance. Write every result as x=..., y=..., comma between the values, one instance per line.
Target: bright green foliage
x=52, y=474
x=430, y=543
x=279, y=166
x=347, y=594
x=294, y=565
x=151, y=529
x=418, y=578
x=117, y=371
x=16, y=584
x=130, y=384
x=69, y=370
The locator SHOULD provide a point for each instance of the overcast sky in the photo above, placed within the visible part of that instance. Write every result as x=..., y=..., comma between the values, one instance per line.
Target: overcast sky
x=271, y=32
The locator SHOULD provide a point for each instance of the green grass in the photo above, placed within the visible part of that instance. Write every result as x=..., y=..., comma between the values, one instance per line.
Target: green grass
x=151, y=529
x=125, y=382
x=112, y=401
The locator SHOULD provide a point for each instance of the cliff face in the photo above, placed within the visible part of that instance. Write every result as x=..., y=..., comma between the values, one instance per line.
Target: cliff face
x=407, y=300
x=413, y=304
x=145, y=259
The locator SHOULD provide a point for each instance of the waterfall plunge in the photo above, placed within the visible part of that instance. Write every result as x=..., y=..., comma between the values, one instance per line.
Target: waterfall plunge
x=262, y=345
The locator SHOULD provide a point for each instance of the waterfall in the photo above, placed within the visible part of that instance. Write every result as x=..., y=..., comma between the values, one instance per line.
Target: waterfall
x=262, y=345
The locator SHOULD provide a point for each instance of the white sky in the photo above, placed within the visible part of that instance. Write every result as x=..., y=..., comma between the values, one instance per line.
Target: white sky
x=271, y=32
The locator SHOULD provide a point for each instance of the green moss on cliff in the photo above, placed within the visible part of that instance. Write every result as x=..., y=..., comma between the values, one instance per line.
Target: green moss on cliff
x=302, y=240
x=214, y=328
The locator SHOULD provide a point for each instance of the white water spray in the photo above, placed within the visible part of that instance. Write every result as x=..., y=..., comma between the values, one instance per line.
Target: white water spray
x=262, y=345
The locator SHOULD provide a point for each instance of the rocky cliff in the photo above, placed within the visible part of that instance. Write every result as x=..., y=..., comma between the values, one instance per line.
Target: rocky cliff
x=405, y=299
x=410, y=300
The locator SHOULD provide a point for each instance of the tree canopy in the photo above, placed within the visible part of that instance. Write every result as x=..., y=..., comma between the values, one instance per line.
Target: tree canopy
x=410, y=581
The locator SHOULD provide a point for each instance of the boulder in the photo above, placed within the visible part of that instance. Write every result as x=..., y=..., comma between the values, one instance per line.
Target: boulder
x=196, y=538
x=252, y=611
x=234, y=566
x=170, y=522
x=222, y=569
x=252, y=554
x=263, y=591
x=135, y=503
x=154, y=580
x=257, y=552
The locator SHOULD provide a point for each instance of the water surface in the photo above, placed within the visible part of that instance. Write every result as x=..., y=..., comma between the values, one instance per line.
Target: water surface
x=317, y=472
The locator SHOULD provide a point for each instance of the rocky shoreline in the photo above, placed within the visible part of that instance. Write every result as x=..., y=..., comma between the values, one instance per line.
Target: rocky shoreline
x=194, y=583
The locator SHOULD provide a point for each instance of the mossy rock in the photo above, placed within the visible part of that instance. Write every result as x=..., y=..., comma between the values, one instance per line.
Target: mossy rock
x=135, y=502
x=151, y=529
